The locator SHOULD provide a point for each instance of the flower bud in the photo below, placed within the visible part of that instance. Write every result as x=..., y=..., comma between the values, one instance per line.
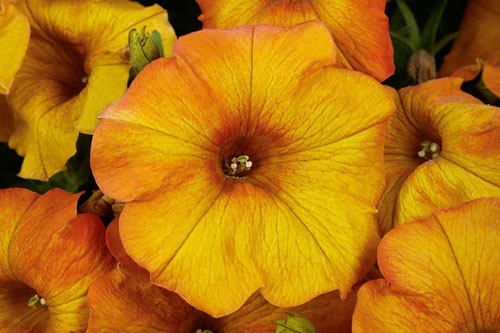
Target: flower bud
x=295, y=323
x=144, y=48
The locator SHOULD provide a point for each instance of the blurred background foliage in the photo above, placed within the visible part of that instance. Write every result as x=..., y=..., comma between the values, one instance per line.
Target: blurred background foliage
x=414, y=25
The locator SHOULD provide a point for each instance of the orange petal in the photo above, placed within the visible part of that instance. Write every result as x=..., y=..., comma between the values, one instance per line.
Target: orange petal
x=130, y=303
x=360, y=28
x=74, y=67
x=123, y=303
x=50, y=252
x=491, y=77
x=115, y=246
x=468, y=133
x=328, y=313
x=478, y=38
x=14, y=38
x=316, y=142
x=441, y=274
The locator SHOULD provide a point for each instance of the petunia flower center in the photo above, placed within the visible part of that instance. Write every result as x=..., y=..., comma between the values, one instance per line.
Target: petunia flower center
x=237, y=167
x=430, y=150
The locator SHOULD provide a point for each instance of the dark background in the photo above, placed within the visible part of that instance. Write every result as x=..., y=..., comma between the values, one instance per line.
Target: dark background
x=183, y=16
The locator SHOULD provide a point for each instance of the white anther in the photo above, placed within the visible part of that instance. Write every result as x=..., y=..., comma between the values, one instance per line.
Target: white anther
x=42, y=301
x=248, y=164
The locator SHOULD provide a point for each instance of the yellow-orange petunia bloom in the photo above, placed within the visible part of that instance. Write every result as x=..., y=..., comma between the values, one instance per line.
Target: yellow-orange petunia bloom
x=14, y=37
x=248, y=162
x=441, y=275
x=125, y=300
x=76, y=64
x=48, y=258
x=360, y=28
x=478, y=39
x=442, y=149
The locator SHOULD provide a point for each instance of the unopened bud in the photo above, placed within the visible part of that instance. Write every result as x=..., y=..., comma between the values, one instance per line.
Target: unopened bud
x=144, y=48
x=422, y=67
x=296, y=323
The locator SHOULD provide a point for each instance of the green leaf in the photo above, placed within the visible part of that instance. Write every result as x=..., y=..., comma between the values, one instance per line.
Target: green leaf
x=411, y=23
x=296, y=323
x=431, y=26
x=442, y=43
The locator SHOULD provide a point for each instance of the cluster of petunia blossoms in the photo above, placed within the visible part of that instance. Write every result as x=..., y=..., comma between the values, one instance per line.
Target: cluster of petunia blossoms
x=267, y=181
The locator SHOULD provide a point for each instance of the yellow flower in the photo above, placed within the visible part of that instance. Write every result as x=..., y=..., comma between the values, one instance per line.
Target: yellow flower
x=441, y=275
x=14, y=37
x=360, y=28
x=75, y=66
x=442, y=149
x=248, y=162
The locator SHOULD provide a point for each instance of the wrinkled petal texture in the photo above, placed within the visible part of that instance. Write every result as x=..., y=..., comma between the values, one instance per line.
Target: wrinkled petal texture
x=302, y=222
x=360, y=28
x=441, y=275
x=76, y=64
x=479, y=36
x=124, y=300
x=14, y=38
x=138, y=306
x=46, y=249
x=467, y=168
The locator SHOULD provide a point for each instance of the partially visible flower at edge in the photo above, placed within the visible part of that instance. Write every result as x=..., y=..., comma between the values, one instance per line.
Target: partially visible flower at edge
x=256, y=168
x=477, y=48
x=76, y=64
x=360, y=28
x=125, y=299
x=48, y=258
x=442, y=149
x=14, y=38
x=441, y=274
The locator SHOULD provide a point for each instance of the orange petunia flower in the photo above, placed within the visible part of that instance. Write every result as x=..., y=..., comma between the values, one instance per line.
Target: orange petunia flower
x=247, y=163
x=75, y=66
x=442, y=149
x=441, y=275
x=48, y=258
x=14, y=37
x=125, y=300
x=478, y=39
x=360, y=28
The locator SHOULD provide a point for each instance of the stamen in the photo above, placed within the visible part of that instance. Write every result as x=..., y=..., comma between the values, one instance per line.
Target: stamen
x=429, y=151
x=237, y=165
x=85, y=79
x=33, y=300
x=42, y=301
